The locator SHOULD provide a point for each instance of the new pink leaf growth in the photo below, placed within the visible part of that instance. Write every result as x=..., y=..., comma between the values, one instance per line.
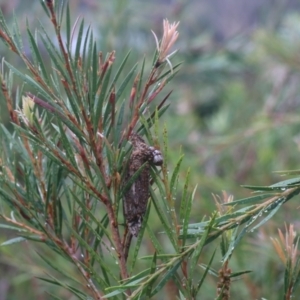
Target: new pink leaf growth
x=170, y=35
x=285, y=247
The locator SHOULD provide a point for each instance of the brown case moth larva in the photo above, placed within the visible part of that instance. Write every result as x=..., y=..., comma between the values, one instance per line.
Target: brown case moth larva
x=135, y=199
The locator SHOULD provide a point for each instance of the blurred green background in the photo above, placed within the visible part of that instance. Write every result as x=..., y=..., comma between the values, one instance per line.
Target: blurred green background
x=234, y=114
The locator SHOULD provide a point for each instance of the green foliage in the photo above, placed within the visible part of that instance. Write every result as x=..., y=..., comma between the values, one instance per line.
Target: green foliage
x=63, y=166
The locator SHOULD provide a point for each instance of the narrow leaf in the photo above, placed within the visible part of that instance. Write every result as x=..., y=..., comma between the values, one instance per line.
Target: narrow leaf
x=249, y=200
x=13, y=241
x=197, y=252
x=166, y=277
x=205, y=273
x=269, y=216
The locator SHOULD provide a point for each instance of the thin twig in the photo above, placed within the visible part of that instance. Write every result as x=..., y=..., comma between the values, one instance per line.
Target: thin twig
x=61, y=45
